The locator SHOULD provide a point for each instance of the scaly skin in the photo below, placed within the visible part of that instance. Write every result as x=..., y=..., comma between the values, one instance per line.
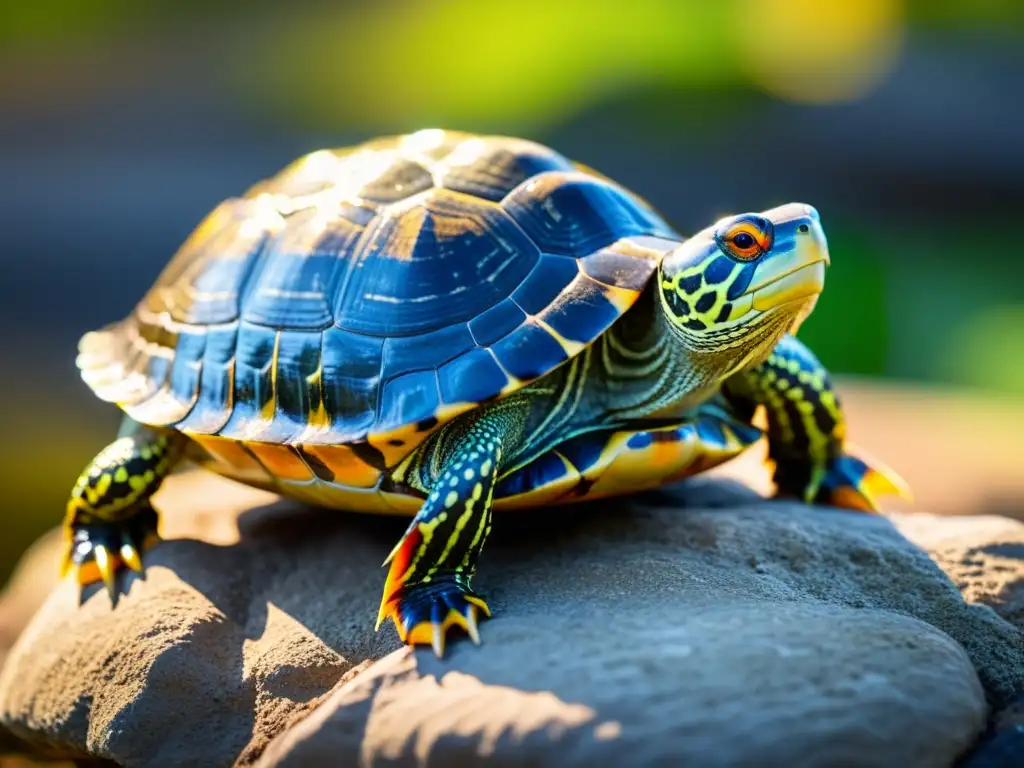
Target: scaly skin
x=109, y=521
x=807, y=431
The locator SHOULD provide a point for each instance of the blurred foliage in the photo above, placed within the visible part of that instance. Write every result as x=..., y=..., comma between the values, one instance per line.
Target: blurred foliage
x=849, y=328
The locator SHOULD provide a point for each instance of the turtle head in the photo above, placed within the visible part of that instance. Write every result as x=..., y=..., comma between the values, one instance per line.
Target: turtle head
x=734, y=289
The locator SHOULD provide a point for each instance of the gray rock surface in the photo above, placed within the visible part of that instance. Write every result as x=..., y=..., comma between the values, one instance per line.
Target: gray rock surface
x=984, y=556
x=702, y=623
x=732, y=682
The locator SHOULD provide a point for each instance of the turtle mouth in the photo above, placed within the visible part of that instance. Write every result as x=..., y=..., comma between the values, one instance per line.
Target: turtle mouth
x=799, y=282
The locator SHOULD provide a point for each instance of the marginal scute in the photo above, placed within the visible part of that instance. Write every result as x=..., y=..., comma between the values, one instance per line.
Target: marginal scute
x=581, y=311
x=350, y=379
x=215, y=399
x=175, y=399
x=529, y=351
x=473, y=376
x=363, y=291
x=544, y=480
x=406, y=399
x=254, y=383
x=296, y=386
x=600, y=464
x=627, y=263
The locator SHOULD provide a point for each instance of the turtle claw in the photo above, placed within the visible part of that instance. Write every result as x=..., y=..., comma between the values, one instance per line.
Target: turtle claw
x=103, y=559
x=424, y=613
x=130, y=556
x=98, y=551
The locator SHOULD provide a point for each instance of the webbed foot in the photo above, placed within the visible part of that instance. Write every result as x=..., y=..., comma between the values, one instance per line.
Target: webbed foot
x=97, y=551
x=851, y=482
x=424, y=613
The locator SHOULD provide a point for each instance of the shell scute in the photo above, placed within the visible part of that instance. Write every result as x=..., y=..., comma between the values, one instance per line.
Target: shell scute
x=253, y=395
x=406, y=399
x=350, y=377
x=366, y=292
x=581, y=309
x=296, y=384
x=435, y=260
x=293, y=287
x=572, y=213
x=202, y=284
x=430, y=351
x=548, y=278
x=529, y=351
x=492, y=168
x=496, y=322
x=473, y=376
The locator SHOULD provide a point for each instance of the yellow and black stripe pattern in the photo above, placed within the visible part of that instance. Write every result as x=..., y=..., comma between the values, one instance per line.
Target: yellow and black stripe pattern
x=428, y=585
x=109, y=522
x=807, y=430
x=123, y=475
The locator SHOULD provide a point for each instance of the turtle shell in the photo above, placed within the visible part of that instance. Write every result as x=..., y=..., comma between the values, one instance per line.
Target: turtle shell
x=378, y=289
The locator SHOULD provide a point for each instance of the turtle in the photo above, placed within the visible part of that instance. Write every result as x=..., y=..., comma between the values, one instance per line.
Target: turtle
x=443, y=324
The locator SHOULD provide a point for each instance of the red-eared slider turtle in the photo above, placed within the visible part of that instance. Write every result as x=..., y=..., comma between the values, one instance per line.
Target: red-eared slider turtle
x=440, y=325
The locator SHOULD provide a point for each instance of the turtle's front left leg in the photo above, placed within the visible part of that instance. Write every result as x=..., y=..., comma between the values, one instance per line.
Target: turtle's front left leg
x=428, y=586
x=807, y=431
x=109, y=521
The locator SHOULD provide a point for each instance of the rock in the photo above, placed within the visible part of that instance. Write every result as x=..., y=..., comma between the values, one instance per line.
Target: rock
x=730, y=682
x=984, y=556
x=705, y=624
x=34, y=577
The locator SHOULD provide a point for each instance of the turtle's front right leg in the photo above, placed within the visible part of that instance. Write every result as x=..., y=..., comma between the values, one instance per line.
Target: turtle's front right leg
x=109, y=521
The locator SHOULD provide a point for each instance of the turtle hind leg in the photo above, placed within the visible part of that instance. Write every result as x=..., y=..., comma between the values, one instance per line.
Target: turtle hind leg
x=428, y=585
x=109, y=522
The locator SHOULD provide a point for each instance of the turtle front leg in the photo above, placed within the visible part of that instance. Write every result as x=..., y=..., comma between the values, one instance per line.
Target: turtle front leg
x=428, y=586
x=807, y=431
x=109, y=521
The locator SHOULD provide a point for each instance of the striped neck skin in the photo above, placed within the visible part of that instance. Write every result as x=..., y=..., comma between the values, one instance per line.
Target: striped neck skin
x=719, y=303
x=650, y=370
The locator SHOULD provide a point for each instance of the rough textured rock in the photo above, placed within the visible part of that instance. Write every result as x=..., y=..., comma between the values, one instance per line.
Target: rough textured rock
x=728, y=683
x=35, y=576
x=984, y=556
x=727, y=627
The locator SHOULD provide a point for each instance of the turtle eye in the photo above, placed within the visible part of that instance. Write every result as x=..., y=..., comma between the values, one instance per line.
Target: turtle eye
x=743, y=240
x=747, y=239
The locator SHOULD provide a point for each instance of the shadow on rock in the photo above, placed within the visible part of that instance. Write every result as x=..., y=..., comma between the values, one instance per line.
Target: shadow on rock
x=697, y=623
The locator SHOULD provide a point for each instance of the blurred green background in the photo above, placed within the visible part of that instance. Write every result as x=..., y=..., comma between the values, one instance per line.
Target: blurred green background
x=124, y=122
